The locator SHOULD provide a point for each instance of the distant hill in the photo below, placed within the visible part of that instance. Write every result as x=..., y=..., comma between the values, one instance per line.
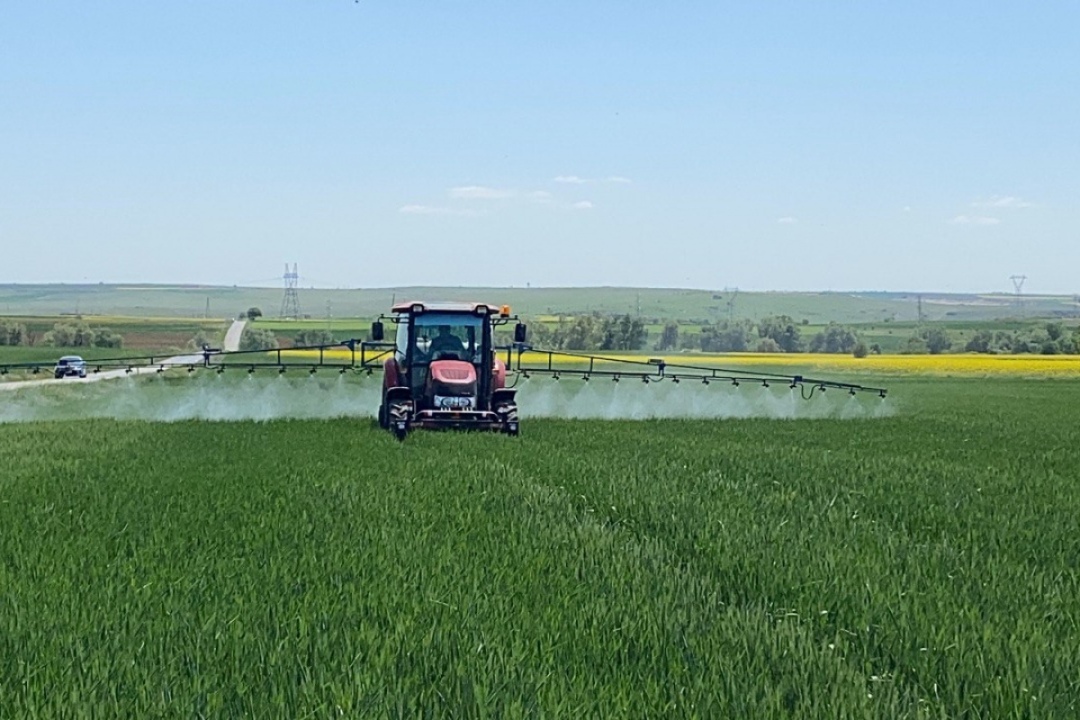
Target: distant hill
x=664, y=303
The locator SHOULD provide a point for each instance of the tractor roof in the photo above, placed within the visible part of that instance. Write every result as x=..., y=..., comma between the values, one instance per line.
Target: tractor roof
x=458, y=307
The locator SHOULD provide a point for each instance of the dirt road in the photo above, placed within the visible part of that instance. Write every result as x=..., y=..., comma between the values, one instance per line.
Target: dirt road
x=232, y=338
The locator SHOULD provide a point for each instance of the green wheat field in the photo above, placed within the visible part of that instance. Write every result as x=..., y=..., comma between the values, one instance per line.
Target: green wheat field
x=919, y=565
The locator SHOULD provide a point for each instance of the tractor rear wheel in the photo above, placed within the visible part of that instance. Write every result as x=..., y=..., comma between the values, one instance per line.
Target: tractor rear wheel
x=384, y=422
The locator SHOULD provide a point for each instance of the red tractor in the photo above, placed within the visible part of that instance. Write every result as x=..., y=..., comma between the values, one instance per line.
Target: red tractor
x=444, y=370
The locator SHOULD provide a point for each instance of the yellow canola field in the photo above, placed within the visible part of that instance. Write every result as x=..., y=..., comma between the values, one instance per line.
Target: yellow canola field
x=959, y=364
x=919, y=364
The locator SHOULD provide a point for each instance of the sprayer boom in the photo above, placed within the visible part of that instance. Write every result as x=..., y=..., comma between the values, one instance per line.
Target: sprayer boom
x=558, y=363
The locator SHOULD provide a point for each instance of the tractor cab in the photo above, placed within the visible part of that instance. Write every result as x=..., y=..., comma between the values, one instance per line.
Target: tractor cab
x=445, y=370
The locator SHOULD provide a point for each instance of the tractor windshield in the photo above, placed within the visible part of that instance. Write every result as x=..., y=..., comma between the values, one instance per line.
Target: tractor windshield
x=447, y=336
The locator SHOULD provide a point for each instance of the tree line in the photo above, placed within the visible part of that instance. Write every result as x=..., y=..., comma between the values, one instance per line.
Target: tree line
x=783, y=334
x=779, y=333
x=78, y=335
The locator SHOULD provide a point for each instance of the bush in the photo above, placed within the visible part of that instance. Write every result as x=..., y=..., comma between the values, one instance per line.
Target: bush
x=726, y=337
x=834, y=339
x=106, y=338
x=252, y=313
x=980, y=342
x=783, y=331
x=13, y=334
x=768, y=345
x=669, y=339
x=311, y=338
x=253, y=339
x=937, y=340
x=860, y=350
x=81, y=335
x=200, y=340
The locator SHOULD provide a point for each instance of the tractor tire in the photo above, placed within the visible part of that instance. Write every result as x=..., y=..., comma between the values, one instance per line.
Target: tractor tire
x=384, y=423
x=401, y=433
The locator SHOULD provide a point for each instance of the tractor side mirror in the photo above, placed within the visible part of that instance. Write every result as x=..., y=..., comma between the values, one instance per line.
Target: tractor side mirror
x=376, y=331
x=520, y=333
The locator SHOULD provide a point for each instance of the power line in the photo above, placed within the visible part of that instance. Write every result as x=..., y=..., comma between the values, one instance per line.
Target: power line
x=1018, y=286
x=732, y=294
x=290, y=303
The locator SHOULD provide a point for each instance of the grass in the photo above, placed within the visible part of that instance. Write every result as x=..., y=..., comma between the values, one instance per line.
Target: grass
x=923, y=565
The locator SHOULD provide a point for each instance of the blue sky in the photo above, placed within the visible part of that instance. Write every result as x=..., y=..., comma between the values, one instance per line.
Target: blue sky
x=779, y=145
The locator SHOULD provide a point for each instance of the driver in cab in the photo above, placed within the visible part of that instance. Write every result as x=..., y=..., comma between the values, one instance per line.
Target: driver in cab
x=448, y=343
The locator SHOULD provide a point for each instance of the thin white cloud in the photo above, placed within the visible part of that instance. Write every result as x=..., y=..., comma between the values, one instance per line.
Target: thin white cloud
x=433, y=210
x=577, y=180
x=787, y=220
x=583, y=205
x=480, y=192
x=974, y=220
x=907, y=208
x=1003, y=201
x=540, y=196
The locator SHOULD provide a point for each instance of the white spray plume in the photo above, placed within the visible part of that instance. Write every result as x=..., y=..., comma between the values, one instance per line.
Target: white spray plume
x=209, y=396
x=635, y=400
